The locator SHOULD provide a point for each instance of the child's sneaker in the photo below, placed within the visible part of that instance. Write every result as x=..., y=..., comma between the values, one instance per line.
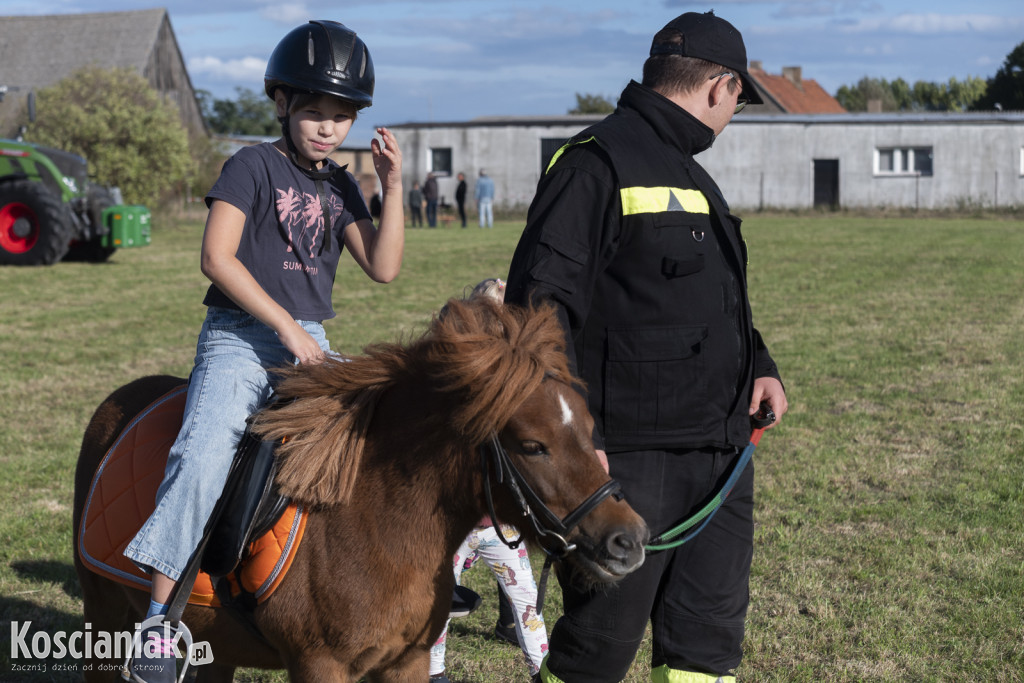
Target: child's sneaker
x=156, y=660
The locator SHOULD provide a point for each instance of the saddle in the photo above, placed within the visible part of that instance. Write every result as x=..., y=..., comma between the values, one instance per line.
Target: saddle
x=252, y=535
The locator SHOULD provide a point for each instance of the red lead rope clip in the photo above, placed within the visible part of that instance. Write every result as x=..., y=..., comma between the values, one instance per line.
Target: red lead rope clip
x=760, y=420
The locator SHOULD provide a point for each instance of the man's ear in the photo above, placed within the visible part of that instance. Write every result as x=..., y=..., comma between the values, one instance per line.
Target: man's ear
x=719, y=90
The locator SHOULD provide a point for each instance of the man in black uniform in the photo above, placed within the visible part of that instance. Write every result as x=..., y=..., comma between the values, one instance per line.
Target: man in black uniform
x=635, y=245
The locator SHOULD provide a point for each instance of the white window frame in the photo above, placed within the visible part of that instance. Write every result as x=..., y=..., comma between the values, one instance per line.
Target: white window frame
x=903, y=159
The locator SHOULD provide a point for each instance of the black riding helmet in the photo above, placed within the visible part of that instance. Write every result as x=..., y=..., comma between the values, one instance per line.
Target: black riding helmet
x=323, y=57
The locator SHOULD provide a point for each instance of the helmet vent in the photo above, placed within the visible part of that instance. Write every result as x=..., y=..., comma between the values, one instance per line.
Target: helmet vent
x=362, y=64
x=311, y=49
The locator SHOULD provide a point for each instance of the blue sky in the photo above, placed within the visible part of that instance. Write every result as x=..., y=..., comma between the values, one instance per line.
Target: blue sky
x=453, y=60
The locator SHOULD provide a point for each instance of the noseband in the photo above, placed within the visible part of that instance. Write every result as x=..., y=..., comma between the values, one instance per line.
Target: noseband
x=546, y=523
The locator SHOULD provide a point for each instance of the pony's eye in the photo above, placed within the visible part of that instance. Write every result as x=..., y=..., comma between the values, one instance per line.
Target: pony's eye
x=533, y=448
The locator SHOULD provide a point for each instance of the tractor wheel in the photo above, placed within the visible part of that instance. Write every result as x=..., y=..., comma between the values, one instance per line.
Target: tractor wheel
x=99, y=199
x=35, y=228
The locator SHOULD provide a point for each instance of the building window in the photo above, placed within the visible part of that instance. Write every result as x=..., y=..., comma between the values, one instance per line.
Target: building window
x=903, y=161
x=441, y=161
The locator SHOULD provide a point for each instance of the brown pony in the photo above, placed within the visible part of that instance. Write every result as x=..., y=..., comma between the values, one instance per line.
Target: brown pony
x=384, y=448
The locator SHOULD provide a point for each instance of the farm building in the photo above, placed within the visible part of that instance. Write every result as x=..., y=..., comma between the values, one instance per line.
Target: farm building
x=792, y=161
x=38, y=51
x=800, y=149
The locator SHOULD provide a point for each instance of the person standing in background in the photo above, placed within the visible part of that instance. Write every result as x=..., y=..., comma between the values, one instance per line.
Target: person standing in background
x=460, y=198
x=416, y=205
x=430, y=196
x=485, y=199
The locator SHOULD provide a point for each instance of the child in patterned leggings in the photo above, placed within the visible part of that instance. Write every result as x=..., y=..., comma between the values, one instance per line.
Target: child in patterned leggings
x=515, y=578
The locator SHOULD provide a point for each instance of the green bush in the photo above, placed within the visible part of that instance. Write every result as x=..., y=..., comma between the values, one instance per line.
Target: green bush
x=132, y=138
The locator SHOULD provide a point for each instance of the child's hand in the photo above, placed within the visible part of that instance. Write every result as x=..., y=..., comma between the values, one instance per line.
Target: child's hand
x=301, y=344
x=387, y=160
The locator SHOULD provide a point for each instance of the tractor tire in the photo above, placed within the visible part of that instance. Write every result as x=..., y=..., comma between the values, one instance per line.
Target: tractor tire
x=35, y=227
x=91, y=250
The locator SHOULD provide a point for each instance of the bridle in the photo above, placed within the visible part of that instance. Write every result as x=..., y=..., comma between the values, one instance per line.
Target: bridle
x=552, y=532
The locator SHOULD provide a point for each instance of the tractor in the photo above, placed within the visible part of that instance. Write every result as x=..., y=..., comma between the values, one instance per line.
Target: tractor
x=50, y=210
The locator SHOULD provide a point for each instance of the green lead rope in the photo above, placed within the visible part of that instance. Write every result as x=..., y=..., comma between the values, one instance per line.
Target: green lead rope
x=703, y=516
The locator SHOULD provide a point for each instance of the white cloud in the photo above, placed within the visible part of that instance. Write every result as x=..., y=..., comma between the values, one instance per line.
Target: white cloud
x=933, y=24
x=286, y=13
x=246, y=69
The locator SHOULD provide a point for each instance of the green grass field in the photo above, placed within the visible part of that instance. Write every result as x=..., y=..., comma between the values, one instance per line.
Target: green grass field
x=890, y=516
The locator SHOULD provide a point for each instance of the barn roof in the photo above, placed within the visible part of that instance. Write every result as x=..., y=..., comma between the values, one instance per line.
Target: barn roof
x=38, y=51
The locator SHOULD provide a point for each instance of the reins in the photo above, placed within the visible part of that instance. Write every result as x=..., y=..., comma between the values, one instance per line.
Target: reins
x=545, y=522
x=668, y=540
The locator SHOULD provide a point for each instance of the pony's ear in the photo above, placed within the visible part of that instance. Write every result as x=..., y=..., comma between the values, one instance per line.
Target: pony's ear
x=323, y=442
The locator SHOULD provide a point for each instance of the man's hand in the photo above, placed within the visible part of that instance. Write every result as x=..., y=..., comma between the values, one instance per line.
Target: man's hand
x=769, y=390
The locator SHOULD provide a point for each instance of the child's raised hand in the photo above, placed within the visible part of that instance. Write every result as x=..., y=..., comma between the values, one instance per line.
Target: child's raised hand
x=387, y=160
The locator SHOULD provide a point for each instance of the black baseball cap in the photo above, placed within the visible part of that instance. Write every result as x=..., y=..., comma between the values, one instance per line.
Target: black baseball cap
x=711, y=38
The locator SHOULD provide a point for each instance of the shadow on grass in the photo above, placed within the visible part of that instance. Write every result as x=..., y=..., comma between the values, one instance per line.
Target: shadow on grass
x=50, y=571
x=28, y=630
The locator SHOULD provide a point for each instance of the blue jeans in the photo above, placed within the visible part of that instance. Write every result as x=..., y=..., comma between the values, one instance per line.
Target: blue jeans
x=486, y=210
x=228, y=383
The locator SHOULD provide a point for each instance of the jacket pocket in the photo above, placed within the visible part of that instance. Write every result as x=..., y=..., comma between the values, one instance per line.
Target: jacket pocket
x=655, y=381
x=561, y=263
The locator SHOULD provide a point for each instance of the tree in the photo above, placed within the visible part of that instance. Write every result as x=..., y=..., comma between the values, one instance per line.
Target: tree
x=899, y=95
x=250, y=113
x=132, y=138
x=592, y=104
x=1006, y=89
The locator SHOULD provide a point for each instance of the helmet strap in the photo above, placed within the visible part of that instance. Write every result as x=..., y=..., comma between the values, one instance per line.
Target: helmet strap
x=318, y=176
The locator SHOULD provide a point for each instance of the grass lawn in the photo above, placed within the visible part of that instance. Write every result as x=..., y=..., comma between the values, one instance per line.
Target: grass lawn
x=890, y=511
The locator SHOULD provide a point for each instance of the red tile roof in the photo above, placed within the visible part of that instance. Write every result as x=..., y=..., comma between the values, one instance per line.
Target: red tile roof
x=793, y=94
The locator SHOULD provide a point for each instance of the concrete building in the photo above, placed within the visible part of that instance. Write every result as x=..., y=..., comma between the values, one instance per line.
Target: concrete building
x=786, y=161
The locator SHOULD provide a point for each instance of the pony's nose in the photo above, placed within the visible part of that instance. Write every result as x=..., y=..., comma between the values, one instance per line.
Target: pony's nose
x=624, y=547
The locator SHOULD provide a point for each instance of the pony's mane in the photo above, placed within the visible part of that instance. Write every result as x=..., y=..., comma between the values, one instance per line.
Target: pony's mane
x=485, y=356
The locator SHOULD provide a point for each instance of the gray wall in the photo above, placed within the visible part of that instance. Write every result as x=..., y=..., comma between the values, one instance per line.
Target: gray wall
x=767, y=161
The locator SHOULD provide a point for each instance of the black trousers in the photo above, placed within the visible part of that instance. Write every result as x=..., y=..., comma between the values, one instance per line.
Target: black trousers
x=695, y=596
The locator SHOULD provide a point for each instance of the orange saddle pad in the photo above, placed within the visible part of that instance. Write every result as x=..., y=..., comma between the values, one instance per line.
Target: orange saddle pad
x=123, y=495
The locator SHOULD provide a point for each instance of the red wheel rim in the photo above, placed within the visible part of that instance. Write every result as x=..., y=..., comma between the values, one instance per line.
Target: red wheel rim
x=14, y=218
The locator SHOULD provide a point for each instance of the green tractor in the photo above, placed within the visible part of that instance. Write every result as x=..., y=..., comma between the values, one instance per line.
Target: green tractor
x=50, y=210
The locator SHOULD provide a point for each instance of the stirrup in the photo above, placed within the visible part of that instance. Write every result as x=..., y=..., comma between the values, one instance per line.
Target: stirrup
x=178, y=632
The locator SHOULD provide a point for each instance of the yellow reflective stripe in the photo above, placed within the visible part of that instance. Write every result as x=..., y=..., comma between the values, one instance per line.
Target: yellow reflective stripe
x=561, y=150
x=662, y=199
x=663, y=674
x=545, y=674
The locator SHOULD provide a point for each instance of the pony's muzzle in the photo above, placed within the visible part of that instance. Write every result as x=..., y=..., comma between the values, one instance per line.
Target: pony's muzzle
x=624, y=549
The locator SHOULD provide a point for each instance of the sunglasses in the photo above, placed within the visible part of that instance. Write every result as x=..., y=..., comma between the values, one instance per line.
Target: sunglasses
x=740, y=101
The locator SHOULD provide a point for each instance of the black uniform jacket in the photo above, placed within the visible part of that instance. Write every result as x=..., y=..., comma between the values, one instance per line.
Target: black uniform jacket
x=633, y=242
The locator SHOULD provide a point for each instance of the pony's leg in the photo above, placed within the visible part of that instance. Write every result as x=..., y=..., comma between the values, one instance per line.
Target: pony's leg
x=214, y=673
x=413, y=667
x=106, y=609
x=319, y=668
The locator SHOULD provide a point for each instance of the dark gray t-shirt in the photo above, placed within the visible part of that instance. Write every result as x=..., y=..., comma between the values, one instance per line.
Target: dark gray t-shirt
x=282, y=242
